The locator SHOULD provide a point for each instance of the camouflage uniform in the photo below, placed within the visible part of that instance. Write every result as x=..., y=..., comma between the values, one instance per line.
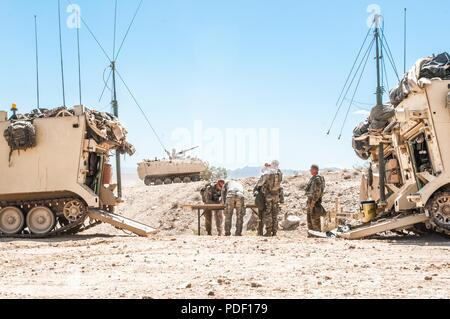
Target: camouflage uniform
x=314, y=192
x=233, y=197
x=270, y=187
x=211, y=195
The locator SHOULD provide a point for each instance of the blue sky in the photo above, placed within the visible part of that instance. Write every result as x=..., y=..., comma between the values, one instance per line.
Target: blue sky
x=229, y=64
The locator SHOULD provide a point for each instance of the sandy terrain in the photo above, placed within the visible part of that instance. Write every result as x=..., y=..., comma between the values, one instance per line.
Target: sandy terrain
x=106, y=263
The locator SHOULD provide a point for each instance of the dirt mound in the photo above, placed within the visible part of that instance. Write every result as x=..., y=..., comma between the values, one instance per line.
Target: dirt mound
x=162, y=206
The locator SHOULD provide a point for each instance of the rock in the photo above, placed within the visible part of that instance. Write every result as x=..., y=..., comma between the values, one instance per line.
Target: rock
x=291, y=223
x=211, y=294
x=428, y=278
x=256, y=285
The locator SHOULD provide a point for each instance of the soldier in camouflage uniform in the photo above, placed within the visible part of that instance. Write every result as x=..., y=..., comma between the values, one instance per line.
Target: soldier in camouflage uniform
x=314, y=192
x=211, y=194
x=269, y=186
x=233, y=198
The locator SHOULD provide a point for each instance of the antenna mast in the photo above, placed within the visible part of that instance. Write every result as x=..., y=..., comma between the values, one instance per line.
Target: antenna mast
x=37, y=62
x=378, y=58
x=115, y=104
x=382, y=163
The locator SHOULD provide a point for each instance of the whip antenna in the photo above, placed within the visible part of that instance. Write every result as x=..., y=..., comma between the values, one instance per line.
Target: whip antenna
x=37, y=62
x=61, y=54
x=78, y=26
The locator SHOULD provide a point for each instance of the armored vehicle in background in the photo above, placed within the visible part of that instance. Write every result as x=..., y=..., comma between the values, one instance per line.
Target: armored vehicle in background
x=55, y=171
x=177, y=169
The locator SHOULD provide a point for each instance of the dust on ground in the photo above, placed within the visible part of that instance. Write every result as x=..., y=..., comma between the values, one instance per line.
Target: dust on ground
x=107, y=263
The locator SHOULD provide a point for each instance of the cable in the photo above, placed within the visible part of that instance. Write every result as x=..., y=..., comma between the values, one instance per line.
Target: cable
x=128, y=30
x=142, y=111
x=354, y=64
x=348, y=78
x=105, y=82
x=383, y=64
x=93, y=35
x=390, y=56
x=350, y=85
x=354, y=94
x=61, y=53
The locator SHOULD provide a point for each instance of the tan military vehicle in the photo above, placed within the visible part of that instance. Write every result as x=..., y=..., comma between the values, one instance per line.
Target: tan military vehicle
x=410, y=152
x=55, y=171
x=177, y=169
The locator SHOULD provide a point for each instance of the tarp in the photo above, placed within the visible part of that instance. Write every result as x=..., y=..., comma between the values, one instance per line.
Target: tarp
x=414, y=80
x=104, y=127
x=361, y=146
x=380, y=116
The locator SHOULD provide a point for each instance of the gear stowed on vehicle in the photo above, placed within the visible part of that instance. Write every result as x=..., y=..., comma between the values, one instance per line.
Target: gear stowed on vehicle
x=56, y=177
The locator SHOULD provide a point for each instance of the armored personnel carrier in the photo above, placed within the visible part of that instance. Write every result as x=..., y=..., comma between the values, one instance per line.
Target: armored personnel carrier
x=177, y=169
x=55, y=172
x=408, y=144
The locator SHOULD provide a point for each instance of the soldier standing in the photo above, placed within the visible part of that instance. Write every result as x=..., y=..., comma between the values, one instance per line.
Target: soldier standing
x=314, y=192
x=211, y=194
x=269, y=186
x=233, y=198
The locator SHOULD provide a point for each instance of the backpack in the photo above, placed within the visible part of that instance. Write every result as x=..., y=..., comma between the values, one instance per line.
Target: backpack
x=20, y=135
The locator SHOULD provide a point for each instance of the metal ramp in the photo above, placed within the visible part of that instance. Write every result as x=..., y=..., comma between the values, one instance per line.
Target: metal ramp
x=383, y=226
x=122, y=223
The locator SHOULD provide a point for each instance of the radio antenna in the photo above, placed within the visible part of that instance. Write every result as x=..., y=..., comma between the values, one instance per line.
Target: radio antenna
x=61, y=54
x=405, y=39
x=37, y=62
x=78, y=26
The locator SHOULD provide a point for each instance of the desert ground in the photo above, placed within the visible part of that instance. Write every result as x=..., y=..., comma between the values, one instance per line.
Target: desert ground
x=175, y=263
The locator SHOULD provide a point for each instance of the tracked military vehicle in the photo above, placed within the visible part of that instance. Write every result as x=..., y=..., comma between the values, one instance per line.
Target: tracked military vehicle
x=176, y=169
x=55, y=172
x=408, y=144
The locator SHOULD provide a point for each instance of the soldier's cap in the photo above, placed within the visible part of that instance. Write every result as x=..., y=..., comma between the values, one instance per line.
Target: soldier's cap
x=315, y=166
x=275, y=163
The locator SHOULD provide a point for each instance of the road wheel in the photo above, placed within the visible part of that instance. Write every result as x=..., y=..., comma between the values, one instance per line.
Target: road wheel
x=167, y=181
x=177, y=180
x=439, y=208
x=41, y=220
x=12, y=221
x=158, y=181
x=148, y=181
x=187, y=180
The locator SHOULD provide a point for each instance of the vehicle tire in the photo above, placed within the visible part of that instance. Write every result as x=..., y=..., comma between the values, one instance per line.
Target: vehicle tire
x=12, y=221
x=41, y=221
x=187, y=180
x=148, y=181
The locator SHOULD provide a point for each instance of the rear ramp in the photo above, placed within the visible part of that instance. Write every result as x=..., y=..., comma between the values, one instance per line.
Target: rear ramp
x=383, y=226
x=122, y=223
